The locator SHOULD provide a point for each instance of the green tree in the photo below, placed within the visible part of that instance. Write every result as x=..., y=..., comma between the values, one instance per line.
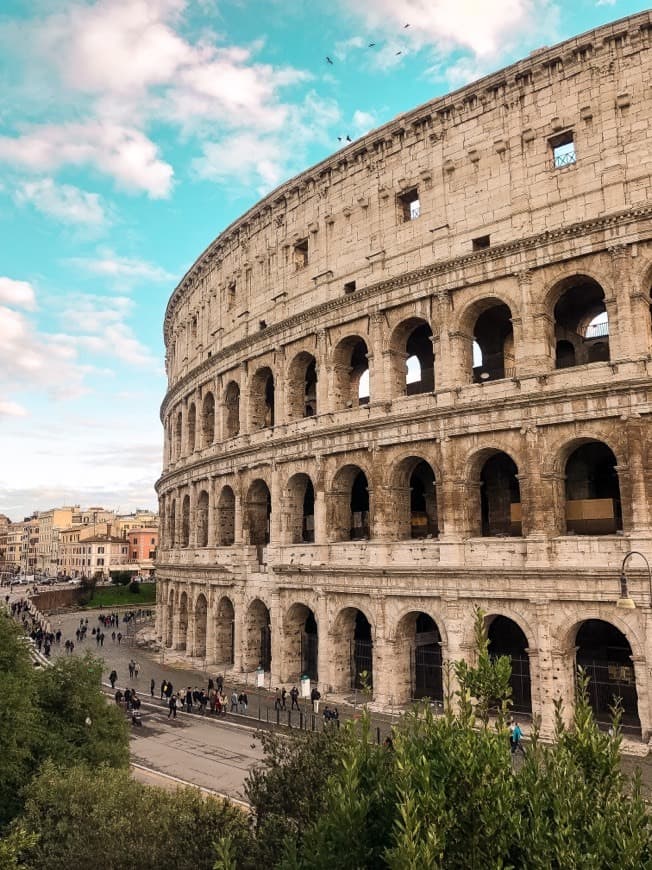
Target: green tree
x=85, y=817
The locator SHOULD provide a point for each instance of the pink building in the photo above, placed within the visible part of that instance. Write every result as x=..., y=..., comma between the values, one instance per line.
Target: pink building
x=143, y=544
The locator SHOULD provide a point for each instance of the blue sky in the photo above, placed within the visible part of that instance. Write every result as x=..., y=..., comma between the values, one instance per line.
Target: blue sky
x=131, y=133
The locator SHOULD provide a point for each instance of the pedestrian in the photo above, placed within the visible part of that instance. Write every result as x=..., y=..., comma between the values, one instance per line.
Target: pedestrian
x=189, y=699
x=152, y=686
x=164, y=686
x=294, y=697
x=72, y=647
x=118, y=697
x=219, y=683
x=102, y=639
x=515, y=735
x=277, y=700
x=136, y=669
x=283, y=697
x=172, y=705
x=243, y=702
x=234, y=701
x=131, y=669
x=315, y=695
x=113, y=676
x=119, y=636
x=113, y=636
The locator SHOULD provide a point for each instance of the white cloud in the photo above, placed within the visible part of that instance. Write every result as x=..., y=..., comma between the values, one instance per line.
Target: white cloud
x=64, y=202
x=124, y=153
x=363, y=122
x=19, y=293
x=485, y=29
x=11, y=409
x=606, y=3
x=125, y=269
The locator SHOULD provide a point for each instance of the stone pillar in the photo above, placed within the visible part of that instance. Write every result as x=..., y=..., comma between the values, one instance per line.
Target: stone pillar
x=378, y=390
x=176, y=621
x=622, y=331
x=192, y=524
x=211, y=604
x=211, y=488
x=275, y=519
x=238, y=519
x=280, y=388
x=563, y=685
x=245, y=427
x=641, y=677
x=238, y=630
x=640, y=503
x=178, y=519
x=324, y=403
x=276, y=622
x=324, y=651
x=444, y=370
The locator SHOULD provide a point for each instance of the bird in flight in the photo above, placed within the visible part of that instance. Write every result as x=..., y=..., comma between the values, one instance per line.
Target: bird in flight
x=339, y=138
x=328, y=60
x=397, y=53
x=348, y=139
x=371, y=45
x=405, y=25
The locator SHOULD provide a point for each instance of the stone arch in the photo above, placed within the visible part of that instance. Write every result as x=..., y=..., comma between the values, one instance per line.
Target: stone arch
x=413, y=483
x=576, y=304
x=417, y=666
x=352, y=646
x=300, y=506
x=258, y=508
x=412, y=358
x=182, y=635
x=508, y=638
x=350, y=513
x=494, y=496
x=224, y=632
x=208, y=420
x=300, y=643
x=231, y=410
x=488, y=353
x=350, y=363
x=185, y=521
x=591, y=489
x=604, y=652
x=178, y=435
x=201, y=621
x=192, y=427
x=169, y=624
x=257, y=652
x=301, y=386
x=226, y=517
x=203, y=507
x=261, y=399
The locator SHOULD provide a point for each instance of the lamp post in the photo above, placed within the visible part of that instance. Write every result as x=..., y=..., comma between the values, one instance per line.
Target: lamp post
x=625, y=602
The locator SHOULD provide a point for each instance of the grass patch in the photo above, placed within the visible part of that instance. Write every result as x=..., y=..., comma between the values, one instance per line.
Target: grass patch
x=111, y=596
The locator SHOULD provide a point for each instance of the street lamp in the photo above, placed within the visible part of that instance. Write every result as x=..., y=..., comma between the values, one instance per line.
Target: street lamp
x=625, y=602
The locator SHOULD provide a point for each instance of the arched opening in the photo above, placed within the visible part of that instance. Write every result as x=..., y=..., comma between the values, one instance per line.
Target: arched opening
x=182, y=637
x=224, y=632
x=352, y=651
x=201, y=610
x=232, y=410
x=208, y=420
x=301, y=509
x=581, y=322
x=592, y=491
x=349, y=503
x=169, y=625
x=302, y=387
x=192, y=428
x=172, y=531
x=226, y=517
x=507, y=639
x=262, y=399
x=257, y=637
x=423, y=502
x=259, y=512
x=202, y=519
x=605, y=655
x=500, y=497
x=301, y=643
x=494, y=344
x=420, y=361
x=351, y=373
x=418, y=659
x=178, y=435
x=185, y=521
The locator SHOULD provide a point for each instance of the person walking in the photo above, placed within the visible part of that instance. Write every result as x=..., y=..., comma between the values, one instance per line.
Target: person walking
x=113, y=676
x=234, y=701
x=283, y=697
x=131, y=669
x=119, y=636
x=172, y=705
x=152, y=686
x=243, y=702
x=515, y=735
x=136, y=669
x=294, y=697
x=315, y=695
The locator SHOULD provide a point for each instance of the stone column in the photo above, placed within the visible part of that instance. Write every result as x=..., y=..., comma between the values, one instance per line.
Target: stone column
x=211, y=602
x=640, y=502
x=280, y=387
x=622, y=331
x=324, y=405
x=275, y=519
x=276, y=623
x=324, y=651
x=441, y=342
x=244, y=399
x=641, y=677
x=378, y=391
x=238, y=518
x=211, y=488
x=192, y=525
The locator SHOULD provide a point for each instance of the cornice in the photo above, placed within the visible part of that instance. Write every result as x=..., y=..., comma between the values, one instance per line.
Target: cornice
x=445, y=110
x=435, y=269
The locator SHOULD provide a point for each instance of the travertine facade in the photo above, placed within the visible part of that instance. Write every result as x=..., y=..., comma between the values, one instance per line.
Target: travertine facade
x=323, y=513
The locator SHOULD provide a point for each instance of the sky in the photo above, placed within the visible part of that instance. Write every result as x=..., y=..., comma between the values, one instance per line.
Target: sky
x=132, y=132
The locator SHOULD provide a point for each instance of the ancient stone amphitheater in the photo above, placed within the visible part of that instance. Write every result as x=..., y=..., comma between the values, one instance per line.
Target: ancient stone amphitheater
x=417, y=379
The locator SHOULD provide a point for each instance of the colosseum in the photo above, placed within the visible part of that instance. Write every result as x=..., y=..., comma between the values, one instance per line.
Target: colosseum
x=417, y=379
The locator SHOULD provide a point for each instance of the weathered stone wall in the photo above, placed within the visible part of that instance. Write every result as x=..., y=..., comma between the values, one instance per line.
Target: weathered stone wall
x=530, y=415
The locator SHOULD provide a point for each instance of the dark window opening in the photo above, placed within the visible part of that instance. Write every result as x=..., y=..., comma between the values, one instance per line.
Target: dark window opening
x=593, y=504
x=581, y=324
x=420, y=363
x=362, y=653
x=308, y=525
x=262, y=324
x=409, y=205
x=493, y=349
x=310, y=390
x=349, y=287
x=360, y=508
x=506, y=639
x=301, y=254
x=423, y=502
x=500, y=497
x=480, y=243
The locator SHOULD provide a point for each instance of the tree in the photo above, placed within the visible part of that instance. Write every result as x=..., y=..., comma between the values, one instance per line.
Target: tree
x=85, y=817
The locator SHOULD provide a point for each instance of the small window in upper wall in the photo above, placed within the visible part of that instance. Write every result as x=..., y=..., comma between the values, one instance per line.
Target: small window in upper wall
x=193, y=327
x=481, y=242
x=301, y=254
x=230, y=294
x=409, y=205
x=349, y=287
x=563, y=150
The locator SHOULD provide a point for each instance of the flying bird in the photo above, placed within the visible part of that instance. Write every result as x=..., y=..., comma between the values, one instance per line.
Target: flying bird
x=397, y=53
x=405, y=25
x=339, y=138
x=349, y=139
x=328, y=60
x=371, y=45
